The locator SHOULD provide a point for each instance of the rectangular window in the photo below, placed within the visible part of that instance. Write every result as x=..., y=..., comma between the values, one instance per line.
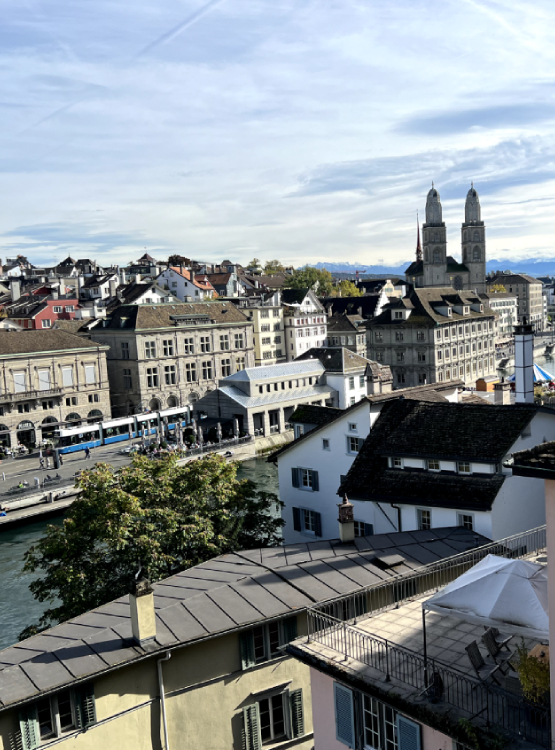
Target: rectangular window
x=399, y=336
x=353, y=444
x=124, y=349
x=433, y=464
x=264, y=313
x=239, y=363
x=421, y=356
x=150, y=349
x=424, y=518
x=20, y=382
x=188, y=346
x=380, y=726
x=90, y=374
x=127, y=382
x=263, y=643
x=239, y=341
x=205, y=343
x=305, y=479
x=207, y=370
x=44, y=380
x=325, y=444
x=363, y=529
x=57, y=309
x=397, y=463
x=266, y=329
x=23, y=408
x=170, y=375
x=226, y=368
x=463, y=467
x=351, y=383
x=400, y=356
x=191, y=372
x=224, y=342
x=420, y=335
x=46, y=323
x=152, y=377
x=361, y=381
x=277, y=339
x=168, y=347
x=70, y=308
x=56, y=715
x=273, y=719
x=466, y=520
x=266, y=340
x=378, y=336
x=401, y=377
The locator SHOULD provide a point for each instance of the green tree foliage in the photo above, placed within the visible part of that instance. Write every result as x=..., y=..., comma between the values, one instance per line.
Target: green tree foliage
x=498, y=288
x=273, y=266
x=152, y=514
x=255, y=264
x=178, y=260
x=319, y=280
x=347, y=288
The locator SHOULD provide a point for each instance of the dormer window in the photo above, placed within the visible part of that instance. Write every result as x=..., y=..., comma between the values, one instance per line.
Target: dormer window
x=463, y=467
x=466, y=310
x=398, y=314
x=449, y=312
x=397, y=463
x=433, y=464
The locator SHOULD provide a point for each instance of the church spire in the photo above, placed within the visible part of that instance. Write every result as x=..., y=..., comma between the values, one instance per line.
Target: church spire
x=418, y=245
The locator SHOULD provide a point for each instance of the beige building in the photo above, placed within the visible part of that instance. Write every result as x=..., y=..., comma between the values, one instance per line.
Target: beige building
x=434, y=335
x=200, y=662
x=48, y=379
x=163, y=356
x=529, y=296
x=268, y=333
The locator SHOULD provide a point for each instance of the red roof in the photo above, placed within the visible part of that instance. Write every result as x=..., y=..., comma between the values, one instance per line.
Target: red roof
x=200, y=281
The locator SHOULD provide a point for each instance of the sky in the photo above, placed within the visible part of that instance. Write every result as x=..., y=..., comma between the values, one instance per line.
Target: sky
x=302, y=130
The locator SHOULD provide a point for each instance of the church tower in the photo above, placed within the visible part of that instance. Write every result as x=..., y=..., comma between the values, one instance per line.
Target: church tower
x=435, y=241
x=473, y=233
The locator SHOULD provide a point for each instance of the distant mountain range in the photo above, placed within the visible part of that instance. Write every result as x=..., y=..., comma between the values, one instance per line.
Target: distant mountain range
x=531, y=266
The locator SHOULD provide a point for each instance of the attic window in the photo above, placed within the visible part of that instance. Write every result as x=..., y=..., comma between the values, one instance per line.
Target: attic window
x=398, y=314
x=466, y=310
x=448, y=312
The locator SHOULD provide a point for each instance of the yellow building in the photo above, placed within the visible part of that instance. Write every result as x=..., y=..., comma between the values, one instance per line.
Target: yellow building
x=268, y=336
x=197, y=660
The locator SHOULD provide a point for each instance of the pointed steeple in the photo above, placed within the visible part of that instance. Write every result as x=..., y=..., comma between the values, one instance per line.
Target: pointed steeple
x=418, y=245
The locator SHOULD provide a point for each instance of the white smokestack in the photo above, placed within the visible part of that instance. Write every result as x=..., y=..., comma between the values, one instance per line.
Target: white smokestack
x=524, y=363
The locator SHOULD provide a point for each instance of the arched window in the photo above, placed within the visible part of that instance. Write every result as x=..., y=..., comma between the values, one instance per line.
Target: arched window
x=193, y=397
x=172, y=402
x=154, y=404
x=74, y=418
x=94, y=416
x=437, y=255
x=476, y=254
x=476, y=236
x=5, y=435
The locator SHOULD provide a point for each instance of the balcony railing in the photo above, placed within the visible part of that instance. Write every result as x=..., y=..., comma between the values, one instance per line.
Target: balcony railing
x=434, y=681
x=26, y=395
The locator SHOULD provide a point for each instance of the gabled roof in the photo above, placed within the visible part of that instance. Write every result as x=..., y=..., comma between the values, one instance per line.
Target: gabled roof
x=516, y=278
x=230, y=592
x=205, y=285
x=313, y=414
x=424, y=303
x=340, y=322
x=336, y=359
x=44, y=340
x=363, y=306
x=274, y=397
x=147, y=317
x=294, y=296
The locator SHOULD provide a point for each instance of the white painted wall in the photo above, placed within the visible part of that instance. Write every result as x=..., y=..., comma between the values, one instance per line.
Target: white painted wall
x=181, y=287
x=340, y=382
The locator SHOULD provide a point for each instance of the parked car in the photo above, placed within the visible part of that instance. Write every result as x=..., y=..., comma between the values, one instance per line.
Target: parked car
x=129, y=449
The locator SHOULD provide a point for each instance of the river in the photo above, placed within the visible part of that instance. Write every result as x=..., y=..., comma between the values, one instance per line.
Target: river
x=18, y=608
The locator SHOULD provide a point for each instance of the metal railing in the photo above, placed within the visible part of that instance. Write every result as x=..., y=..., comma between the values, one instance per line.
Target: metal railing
x=435, y=681
x=400, y=588
x=222, y=445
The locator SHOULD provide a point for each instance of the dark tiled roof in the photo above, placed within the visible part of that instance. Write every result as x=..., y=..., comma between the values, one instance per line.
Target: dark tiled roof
x=50, y=340
x=312, y=414
x=145, y=317
x=229, y=592
x=535, y=462
x=70, y=326
x=424, y=301
x=294, y=296
x=416, y=268
x=516, y=278
x=340, y=322
x=454, y=265
x=351, y=305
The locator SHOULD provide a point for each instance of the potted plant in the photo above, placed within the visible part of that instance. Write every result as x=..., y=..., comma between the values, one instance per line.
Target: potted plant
x=533, y=673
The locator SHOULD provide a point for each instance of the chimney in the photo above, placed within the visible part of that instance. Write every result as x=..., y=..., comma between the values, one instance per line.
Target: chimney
x=122, y=276
x=143, y=618
x=192, y=276
x=113, y=285
x=524, y=363
x=15, y=288
x=346, y=521
x=502, y=393
x=54, y=294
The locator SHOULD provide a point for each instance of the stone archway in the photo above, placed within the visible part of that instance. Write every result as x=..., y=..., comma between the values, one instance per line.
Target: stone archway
x=95, y=416
x=26, y=434
x=172, y=402
x=48, y=427
x=5, y=438
x=154, y=404
x=74, y=419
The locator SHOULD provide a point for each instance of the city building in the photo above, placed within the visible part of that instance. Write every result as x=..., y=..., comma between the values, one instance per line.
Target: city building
x=49, y=379
x=312, y=467
x=162, y=356
x=263, y=398
x=434, y=335
x=266, y=313
x=390, y=287
x=433, y=267
x=347, y=331
x=38, y=312
x=505, y=306
x=304, y=320
x=352, y=376
x=529, y=296
x=185, y=285
x=197, y=659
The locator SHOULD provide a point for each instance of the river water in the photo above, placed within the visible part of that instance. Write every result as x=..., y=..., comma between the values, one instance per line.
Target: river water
x=18, y=608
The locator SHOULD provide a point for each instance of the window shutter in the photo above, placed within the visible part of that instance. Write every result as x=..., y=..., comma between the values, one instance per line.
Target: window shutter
x=16, y=741
x=67, y=376
x=90, y=376
x=246, y=640
x=344, y=715
x=318, y=524
x=315, y=483
x=289, y=629
x=295, y=477
x=85, y=710
x=251, y=728
x=408, y=734
x=296, y=708
x=368, y=529
x=29, y=727
x=297, y=519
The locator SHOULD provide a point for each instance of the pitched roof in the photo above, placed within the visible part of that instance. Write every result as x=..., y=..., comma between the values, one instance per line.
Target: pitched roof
x=423, y=303
x=202, y=284
x=516, y=277
x=312, y=414
x=44, y=340
x=294, y=296
x=229, y=592
x=340, y=322
x=269, y=372
x=538, y=461
x=363, y=306
x=218, y=278
x=146, y=317
x=275, y=397
x=336, y=359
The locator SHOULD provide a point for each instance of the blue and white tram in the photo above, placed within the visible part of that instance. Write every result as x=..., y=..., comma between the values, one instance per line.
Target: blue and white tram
x=162, y=423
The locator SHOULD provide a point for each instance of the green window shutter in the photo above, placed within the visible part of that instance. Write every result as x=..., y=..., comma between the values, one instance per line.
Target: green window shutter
x=296, y=707
x=251, y=728
x=408, y=734
x=315, y=482
x=246, y=641
x=29, y=727
x=289, y=629
x=295, y=480
x=85, y=710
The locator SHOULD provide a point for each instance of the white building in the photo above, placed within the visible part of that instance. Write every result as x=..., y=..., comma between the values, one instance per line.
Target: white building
x=506, y=307
x=185, y=285
x=312, y=468
x=305, y=322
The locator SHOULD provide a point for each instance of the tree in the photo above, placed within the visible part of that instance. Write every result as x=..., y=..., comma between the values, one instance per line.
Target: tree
x=254, y=264
x=273, y=266
x=152, y=515
x=319, y=280
x=499, y=288
x=347, y=288
x=178, y=260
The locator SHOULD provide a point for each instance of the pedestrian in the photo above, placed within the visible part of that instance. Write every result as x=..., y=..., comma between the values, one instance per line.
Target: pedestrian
x=41, y=462
x=60, y=459
x=87, y=453
x=47, y=462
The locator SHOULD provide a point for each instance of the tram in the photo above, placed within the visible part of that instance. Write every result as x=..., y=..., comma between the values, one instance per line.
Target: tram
x=162, y=423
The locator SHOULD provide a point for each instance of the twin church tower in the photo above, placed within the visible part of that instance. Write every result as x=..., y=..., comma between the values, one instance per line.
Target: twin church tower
x=433, y=267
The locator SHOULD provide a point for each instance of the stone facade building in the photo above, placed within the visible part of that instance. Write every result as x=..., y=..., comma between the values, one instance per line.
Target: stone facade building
x=48, y=379
x=434, y=335
x=305, y=322
x=163, y=356
x=433, y=267
x=528, y=291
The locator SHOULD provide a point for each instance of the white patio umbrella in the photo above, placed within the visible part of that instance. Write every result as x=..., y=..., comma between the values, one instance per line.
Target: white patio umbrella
x=510, y=595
